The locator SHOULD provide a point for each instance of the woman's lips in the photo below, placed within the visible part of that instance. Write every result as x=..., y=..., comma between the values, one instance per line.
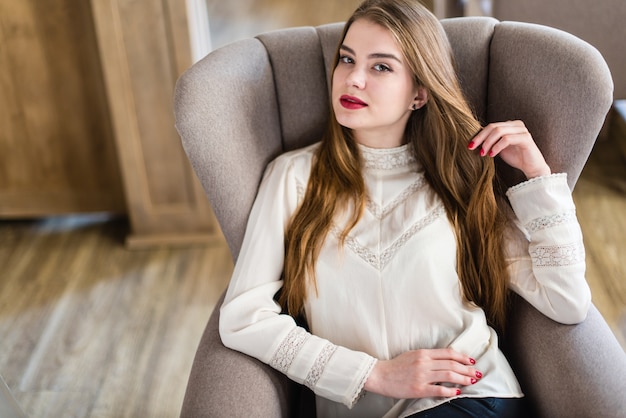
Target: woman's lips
x=351, y=102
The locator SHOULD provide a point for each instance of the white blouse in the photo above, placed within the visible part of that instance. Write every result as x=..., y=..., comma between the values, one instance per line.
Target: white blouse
x=393, y=286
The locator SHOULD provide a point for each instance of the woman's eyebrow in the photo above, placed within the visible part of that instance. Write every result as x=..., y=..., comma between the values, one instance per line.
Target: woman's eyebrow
x=373, y=55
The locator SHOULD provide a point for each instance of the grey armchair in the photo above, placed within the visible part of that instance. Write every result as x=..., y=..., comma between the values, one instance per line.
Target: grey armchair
x=241, y=106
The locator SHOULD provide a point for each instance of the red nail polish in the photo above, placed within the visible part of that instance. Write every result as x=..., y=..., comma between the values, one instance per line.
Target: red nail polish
x=482, y=152
x=473, y=381
x=479, y=375
x=458, y=392
x=471, y=145
x=491, y=153
x=472, y=361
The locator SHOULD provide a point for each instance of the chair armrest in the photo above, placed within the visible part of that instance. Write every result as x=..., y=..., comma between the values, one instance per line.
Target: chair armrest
x=226, y=383
x=567, y=370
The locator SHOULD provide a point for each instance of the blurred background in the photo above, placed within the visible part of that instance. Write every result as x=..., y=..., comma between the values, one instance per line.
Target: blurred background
x=110, y=258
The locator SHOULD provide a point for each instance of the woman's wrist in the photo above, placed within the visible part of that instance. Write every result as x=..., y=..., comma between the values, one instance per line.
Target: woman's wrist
x=538, y=172
x=372, y=384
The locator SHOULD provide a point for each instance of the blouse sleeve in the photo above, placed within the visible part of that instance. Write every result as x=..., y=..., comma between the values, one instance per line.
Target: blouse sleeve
x=251, y=320
x=546, y=256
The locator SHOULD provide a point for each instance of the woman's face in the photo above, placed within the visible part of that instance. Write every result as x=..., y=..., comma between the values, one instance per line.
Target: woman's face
x=373, y=89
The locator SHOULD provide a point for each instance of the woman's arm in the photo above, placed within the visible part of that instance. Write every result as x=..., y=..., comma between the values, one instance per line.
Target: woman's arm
x=546, y=254
x=251, y=320
x=546, y=257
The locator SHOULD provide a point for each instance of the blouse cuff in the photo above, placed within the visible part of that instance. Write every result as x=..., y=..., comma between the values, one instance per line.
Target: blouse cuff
x=344, y=377
x=540, y=197
x=361, y=388
x=331, y=371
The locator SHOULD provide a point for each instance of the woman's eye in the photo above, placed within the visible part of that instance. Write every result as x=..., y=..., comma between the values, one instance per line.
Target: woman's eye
x=346, y=59
x=382, y=68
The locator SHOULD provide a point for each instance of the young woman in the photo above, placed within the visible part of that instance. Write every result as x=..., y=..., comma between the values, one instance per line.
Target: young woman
x=376, y=263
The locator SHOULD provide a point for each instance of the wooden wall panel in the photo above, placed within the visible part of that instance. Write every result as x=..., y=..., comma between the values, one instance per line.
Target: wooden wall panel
x=143, y=53
x=57, y=152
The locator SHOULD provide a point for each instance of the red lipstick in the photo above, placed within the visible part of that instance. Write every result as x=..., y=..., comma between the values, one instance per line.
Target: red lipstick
x=351, y=102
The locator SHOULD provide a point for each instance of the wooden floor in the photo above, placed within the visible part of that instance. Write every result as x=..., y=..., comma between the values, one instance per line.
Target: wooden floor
x=600, y=197
x=91, y=329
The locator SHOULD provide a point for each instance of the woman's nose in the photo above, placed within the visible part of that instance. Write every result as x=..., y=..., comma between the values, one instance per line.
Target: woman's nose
x=356, y=78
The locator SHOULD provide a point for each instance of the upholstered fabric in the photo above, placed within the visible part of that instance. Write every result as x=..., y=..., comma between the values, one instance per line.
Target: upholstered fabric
x=564, y=370
x=225, y=383
x=601, y=23
x=553, y=93
x=227, y=113
x=244, y=104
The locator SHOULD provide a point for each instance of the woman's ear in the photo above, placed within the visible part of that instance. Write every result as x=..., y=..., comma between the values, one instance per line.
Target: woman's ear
x=421, y=98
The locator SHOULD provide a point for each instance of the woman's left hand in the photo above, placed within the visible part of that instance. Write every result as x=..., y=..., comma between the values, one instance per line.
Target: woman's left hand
x=514, y=144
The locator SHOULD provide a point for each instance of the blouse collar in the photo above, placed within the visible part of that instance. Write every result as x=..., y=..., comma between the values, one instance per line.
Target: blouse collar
x=387, y=158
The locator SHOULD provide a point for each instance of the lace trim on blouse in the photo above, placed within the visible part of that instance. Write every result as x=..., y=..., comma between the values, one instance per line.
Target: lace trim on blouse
x=379, y=159
x=534, y=180
x=387, y=158
x=558, y=255
x=300, y=190
x=551, y=221
x=379, y=261
x=380, y=213
x=360, y=392
x=320, y=364
x=289, y=349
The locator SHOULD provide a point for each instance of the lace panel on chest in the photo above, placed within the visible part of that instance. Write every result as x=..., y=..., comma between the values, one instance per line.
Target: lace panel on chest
x=380, y=212
x=380, y=260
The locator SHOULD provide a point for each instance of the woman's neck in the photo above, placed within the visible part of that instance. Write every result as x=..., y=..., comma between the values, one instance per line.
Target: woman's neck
x=377, y=139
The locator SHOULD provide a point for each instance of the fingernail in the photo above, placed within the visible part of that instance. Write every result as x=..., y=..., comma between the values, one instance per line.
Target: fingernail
x=458, y=392
x=473, y=381
x=479, y=375
x=472, y=361
x=491, y=153
x=471, y=145
x=482, y=152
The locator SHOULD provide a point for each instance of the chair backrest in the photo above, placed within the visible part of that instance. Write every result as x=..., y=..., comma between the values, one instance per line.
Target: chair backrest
x=249, y=101
x=601, y=23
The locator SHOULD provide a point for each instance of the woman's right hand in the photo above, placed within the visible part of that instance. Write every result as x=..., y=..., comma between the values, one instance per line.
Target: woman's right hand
x=419, y=374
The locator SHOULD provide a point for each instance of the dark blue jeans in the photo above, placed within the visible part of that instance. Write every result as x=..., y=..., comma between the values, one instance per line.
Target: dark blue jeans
x=476, y=408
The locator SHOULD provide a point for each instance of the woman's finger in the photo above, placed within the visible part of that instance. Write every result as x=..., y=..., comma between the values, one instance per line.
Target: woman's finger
x=448, y=354
x=514, y=144
x=421, y=373
x=507, y=141
x=495, y=132
x=465, y=377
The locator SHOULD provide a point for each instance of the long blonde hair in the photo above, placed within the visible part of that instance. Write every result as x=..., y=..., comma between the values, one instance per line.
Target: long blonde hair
x=439, y=133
